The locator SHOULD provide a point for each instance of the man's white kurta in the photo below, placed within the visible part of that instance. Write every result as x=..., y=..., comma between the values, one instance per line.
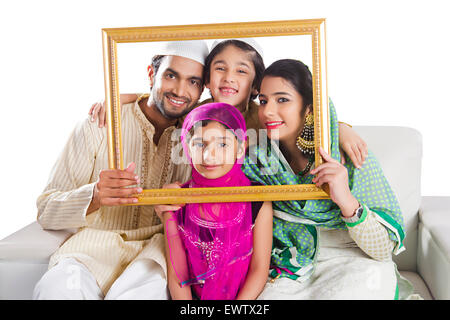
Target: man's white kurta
x=111, y=237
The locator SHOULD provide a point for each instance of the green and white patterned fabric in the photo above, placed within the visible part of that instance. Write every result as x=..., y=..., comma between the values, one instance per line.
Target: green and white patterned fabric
x=295, y=240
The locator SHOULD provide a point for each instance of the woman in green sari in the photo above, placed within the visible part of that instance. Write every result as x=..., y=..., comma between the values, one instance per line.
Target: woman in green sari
x=323, y=249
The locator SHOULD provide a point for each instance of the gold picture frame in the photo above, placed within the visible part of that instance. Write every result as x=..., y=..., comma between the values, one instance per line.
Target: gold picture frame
x=313, y=27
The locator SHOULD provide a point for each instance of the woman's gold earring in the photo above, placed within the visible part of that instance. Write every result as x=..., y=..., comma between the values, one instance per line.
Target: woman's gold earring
x=305, y=141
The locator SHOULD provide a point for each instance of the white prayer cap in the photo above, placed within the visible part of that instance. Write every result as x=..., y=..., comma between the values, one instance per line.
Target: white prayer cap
x=196, y=50
x=250, y=41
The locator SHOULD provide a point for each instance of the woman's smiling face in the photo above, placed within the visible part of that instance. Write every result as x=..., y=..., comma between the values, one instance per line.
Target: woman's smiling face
x=280, y=110
x=231, y=77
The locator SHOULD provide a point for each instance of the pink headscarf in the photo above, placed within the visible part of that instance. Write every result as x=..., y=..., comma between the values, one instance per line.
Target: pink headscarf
x=212, y=247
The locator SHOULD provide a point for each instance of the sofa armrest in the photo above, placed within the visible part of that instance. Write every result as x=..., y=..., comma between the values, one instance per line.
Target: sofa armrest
x=32, y=244
x=24, y=257
x=433, y=256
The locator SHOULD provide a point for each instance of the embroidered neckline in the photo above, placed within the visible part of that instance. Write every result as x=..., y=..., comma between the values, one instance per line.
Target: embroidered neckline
x=144, y=122
x=148, y=130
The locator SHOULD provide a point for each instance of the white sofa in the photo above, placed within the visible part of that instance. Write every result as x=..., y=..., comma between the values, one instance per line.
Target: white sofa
x=24, y=255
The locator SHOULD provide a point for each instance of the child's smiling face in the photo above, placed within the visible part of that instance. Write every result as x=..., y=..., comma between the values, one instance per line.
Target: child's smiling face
x=231, y=77
x=214, y=150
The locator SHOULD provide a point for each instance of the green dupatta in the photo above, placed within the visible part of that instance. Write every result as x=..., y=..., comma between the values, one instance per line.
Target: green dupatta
x=295, y=240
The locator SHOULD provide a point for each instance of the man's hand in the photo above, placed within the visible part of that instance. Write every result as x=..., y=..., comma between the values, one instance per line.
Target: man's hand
x=113, y=188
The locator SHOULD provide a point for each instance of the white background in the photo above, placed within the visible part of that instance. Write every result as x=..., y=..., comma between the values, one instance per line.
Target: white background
x=388, y=64
x=132, y=56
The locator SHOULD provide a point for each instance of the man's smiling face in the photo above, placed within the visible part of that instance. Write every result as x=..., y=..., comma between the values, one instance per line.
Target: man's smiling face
x=177, y=86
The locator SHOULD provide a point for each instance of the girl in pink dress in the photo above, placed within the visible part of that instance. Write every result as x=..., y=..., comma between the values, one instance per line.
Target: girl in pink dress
x=217, y=250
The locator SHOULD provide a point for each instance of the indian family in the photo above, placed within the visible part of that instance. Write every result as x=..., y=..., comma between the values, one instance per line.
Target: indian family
x=339, y=248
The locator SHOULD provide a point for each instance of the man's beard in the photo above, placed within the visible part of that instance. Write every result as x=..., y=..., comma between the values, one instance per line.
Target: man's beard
x=160, y=104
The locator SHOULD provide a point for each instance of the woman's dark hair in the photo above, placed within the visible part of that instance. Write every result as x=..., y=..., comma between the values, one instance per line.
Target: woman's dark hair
x=298, y=74
x=257, y=61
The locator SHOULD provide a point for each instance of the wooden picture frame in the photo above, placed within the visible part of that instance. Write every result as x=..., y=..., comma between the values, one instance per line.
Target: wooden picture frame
x=315, y=28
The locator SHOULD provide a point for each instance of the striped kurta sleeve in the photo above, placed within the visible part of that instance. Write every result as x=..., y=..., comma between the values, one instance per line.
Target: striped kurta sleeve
x=68, y=193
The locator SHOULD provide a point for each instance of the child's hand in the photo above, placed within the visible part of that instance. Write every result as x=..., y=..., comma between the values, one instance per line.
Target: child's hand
x=98, y=110
x=352, y=144
x=162, y=209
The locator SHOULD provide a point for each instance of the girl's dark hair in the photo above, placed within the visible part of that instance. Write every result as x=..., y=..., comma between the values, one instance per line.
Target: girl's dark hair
x=298, y=74
x=257, y=61
x=204, y=123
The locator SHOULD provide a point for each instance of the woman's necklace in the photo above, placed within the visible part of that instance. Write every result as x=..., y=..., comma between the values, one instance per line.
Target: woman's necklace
x=291, y=163
x=308, y=166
